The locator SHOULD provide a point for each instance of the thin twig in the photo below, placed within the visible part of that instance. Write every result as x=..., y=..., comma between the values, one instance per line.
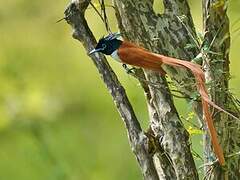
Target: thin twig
x=137, y=139
x=103, y=9
x=96, y=11
x=190, y=33
x=233, y=154
x=214, y=38
x=158, y=86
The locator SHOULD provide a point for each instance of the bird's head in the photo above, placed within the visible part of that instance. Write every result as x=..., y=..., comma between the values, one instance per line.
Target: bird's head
x=107, y=45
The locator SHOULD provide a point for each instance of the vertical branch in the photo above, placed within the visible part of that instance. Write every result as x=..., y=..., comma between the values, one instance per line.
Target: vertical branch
x=162, y=161
x=216, y=48
x=138, y=23
x=138, y=140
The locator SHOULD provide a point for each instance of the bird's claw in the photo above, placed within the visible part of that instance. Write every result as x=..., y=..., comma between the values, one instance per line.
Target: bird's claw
x=128, y=70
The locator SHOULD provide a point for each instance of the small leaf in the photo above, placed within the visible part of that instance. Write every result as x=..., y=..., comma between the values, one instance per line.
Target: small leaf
x=198, y=59
x=194, y=131
x=189, y=46
x=200, y=36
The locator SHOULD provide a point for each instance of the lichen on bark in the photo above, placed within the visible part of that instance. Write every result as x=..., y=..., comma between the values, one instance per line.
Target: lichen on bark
x=164, y=151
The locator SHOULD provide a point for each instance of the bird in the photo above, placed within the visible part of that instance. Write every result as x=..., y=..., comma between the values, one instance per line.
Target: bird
x=129, y=53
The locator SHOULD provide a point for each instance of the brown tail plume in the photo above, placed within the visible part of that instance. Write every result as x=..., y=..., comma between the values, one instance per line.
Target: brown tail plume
x=200, y=80
x=199, y=76
x=131, y=54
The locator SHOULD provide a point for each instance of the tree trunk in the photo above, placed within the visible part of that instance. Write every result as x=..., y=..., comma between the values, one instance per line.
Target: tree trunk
x=216, y=58
x=164, y=151
x=139, y=24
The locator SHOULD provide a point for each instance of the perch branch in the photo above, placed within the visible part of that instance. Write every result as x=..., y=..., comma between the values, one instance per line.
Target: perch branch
x=138, y=23
x=138, y=140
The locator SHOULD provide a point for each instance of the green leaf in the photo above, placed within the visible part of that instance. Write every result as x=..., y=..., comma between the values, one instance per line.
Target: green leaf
x=194, y=131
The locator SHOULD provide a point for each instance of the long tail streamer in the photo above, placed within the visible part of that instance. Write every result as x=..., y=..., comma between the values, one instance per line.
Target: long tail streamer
x=137, y=56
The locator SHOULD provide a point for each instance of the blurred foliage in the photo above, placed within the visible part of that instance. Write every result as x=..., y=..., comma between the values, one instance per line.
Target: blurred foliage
x=57, y=120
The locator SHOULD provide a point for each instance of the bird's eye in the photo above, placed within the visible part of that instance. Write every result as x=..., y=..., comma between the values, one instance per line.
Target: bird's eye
x=104, y=46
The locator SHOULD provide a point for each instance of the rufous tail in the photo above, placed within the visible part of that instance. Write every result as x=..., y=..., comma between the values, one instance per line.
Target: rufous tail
x=200, y=80
x=199, y=76
x=137, y=56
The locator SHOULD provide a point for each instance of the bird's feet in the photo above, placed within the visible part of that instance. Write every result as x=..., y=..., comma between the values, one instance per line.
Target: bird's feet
x=128, y=70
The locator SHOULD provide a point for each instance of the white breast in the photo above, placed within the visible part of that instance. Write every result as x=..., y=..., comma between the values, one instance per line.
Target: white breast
x=115, y=56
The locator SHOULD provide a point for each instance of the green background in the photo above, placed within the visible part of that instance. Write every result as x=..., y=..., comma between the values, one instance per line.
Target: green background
x=57, y=120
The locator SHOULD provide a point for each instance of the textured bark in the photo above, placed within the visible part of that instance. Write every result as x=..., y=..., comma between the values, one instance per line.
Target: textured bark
x=164, y=151
x=217, y=39
x=138, y=140
x=139, y=23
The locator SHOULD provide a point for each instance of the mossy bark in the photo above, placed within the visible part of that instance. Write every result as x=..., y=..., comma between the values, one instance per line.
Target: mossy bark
x=164, y=151
x=140, y=24
x=216, y=47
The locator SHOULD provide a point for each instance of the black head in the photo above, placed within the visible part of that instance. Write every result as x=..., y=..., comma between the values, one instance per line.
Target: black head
x=107, y=45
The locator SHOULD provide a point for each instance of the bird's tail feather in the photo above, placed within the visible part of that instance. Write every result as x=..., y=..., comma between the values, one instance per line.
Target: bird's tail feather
x=137, y=56
x=199, y=76
x=200, y=80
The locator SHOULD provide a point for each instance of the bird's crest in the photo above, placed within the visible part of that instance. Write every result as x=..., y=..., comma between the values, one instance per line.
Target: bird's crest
x=111, y=36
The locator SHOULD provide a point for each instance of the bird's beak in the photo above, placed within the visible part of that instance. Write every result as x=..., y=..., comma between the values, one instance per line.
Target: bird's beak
x=94, y=51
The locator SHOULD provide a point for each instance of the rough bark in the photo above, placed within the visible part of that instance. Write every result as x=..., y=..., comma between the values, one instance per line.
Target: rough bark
x=215, y=52
x=138, y=140
x=164, y=152
x=139, y=23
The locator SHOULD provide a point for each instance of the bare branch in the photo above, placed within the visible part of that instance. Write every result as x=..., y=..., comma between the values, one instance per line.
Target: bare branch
x=138, y=140
x=217, y=40
x=138, y=23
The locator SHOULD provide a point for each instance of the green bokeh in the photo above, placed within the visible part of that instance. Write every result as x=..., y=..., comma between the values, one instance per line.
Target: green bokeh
x=57, y=120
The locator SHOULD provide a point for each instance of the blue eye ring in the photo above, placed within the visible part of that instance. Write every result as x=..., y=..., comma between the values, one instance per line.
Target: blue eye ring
x=104, y=46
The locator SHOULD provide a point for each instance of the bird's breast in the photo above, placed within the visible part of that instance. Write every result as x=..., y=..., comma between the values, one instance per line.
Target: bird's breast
x=115, y=56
